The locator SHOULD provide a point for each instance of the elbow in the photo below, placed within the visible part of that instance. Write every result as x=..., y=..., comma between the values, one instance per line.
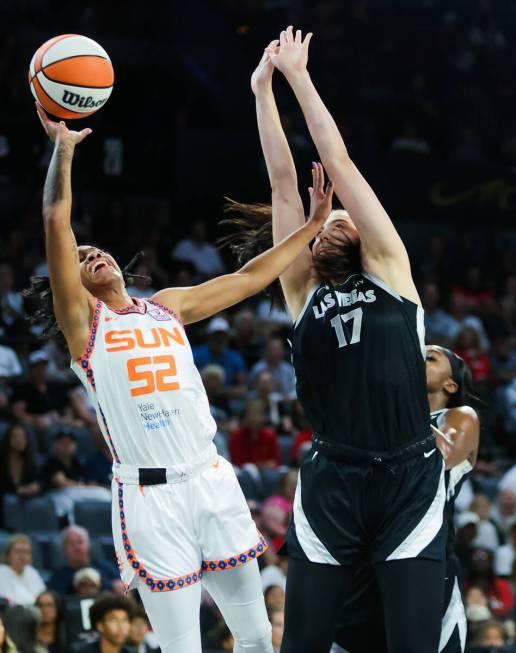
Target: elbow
x=248, y=283
x=55, y=217
x=285, y=195
x=284, y=184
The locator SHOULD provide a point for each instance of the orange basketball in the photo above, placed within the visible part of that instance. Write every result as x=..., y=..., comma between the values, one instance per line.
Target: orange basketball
x=71, y=76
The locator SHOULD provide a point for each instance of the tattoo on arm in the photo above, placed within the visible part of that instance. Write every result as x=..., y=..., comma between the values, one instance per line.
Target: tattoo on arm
x=58, y=171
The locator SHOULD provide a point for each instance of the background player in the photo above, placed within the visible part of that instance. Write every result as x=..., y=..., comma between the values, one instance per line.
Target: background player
x=450, y=396
x=178, y=511
x=372, y=486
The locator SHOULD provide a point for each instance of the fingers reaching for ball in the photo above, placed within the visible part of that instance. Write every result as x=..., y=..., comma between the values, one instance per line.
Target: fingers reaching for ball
x=59, y=130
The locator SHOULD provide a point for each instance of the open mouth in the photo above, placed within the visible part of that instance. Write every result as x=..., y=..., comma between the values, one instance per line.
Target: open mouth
x=99, y=266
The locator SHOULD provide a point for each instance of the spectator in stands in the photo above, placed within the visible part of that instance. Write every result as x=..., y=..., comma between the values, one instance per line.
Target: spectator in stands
x=87, y=582
x=507, y=408
x=50, y=633
x=277, y=410
x=474, y=289
x=21, y=623
x=282, y=372
x=110, y=616
x=247, y=339
x=487, y=535
x=277, y=619
x=76, y=549
x=476, y=603
x=466, y=523
x=490, y=634
x=142, y=284
x=18, y=471
x=64, y=477
x=12, y=314
x=217, y=351
x=505, y=554
x=463, y=318
x=221, y=637
x=274, y=571
x=277, y=509
x=503, y=360
x=253, y=443
x=467, y=346
x=10, y=366
x=504, y=511
x=200, y=252
x=140, y=628
x=39, y=401
x=6, y=643
x=273, y=318
x=98, y=467
x=214, y=377
x=438, y=323
x=20, y=582
x=302, y=432
x=274, y=597
x=480, y=572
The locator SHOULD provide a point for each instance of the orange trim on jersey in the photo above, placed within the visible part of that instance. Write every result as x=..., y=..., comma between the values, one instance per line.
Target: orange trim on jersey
x=167, y=310
x=154, y=584
x=84, y=358
x=237, y=560
x=139, y=307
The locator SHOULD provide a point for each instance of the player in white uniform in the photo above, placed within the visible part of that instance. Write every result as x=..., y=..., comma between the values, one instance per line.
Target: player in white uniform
x=179, y=515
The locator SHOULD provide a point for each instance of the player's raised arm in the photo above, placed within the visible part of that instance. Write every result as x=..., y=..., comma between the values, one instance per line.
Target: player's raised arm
x=199, y=302
x=287, y=207
x=383, y=252
x=461, y=430
x=71, y=300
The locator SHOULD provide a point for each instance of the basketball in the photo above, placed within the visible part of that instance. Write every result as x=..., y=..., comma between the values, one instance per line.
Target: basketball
x=71, y=76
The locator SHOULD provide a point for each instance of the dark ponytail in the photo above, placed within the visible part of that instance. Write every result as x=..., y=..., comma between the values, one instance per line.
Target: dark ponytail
x=251, y=235
x=40, y=293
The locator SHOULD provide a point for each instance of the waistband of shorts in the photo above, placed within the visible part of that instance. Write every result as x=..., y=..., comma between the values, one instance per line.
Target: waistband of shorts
x=133, y=475
x=366, y=457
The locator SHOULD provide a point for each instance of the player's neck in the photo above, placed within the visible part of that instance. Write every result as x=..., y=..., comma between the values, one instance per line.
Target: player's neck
x=116, y=297
x=437, y=401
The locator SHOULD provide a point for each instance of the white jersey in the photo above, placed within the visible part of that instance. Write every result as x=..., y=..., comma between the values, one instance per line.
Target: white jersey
x=139, y=373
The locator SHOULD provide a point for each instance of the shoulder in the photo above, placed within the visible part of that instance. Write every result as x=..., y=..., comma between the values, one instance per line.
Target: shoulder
x=268, y=434
x=463, y=413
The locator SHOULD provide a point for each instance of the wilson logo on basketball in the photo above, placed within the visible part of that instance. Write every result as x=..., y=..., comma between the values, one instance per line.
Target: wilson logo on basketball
x=76, y=100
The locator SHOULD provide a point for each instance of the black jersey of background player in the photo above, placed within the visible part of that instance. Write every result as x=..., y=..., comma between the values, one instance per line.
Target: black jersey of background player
x=358, y=352
x=453, y=479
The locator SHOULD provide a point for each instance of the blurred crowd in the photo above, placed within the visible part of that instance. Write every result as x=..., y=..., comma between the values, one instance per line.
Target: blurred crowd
x=450, y=98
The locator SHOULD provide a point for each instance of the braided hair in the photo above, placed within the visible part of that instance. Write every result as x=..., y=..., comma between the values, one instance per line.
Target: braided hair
x=251, y=235
x=40, y=292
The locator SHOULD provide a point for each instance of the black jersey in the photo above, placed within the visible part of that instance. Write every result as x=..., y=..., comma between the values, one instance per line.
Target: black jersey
x=453, y=479
x=358, y=351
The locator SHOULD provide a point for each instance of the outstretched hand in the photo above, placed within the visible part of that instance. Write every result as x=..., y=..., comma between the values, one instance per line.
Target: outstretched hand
x=292, y=55
x=58, y=130
x=320, y=198
x=262, y=76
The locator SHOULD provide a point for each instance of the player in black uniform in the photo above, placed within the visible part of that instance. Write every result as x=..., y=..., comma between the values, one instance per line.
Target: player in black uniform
x=456, y=427
x=373, y=489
